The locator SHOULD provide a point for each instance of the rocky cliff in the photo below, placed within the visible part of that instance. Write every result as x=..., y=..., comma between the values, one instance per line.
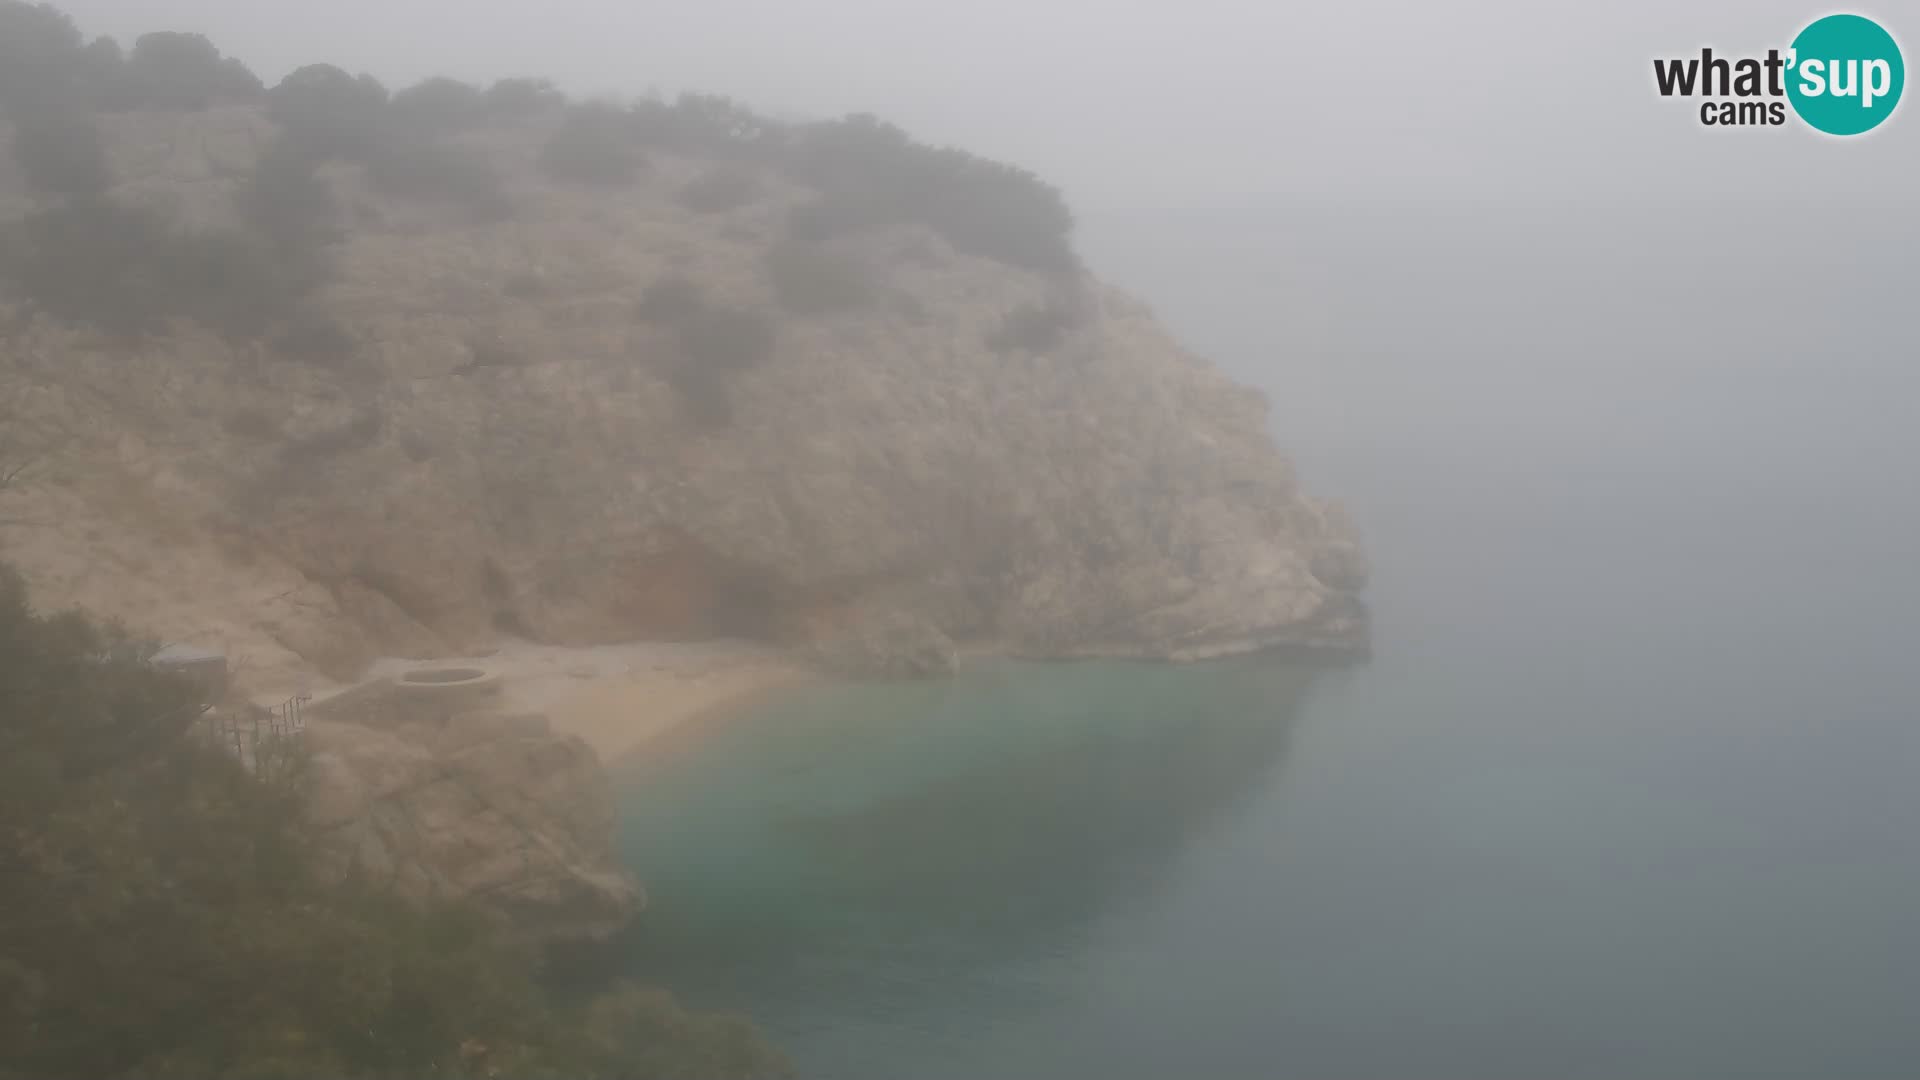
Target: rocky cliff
x=484, y=424
x=438, y=795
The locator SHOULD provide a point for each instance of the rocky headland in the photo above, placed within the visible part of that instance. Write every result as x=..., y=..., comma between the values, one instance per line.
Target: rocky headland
x=286, y=378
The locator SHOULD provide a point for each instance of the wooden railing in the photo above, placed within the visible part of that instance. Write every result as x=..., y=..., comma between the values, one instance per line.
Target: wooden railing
x=263, y=739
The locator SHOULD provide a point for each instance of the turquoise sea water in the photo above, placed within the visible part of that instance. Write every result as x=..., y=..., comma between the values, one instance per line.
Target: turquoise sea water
x=916, y=848
x=1629, y=789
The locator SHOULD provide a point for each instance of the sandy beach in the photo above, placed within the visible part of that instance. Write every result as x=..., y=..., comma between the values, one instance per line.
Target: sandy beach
x=620, y=697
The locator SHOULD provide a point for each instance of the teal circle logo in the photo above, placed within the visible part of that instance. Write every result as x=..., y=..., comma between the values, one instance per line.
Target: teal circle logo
x=1845, y=75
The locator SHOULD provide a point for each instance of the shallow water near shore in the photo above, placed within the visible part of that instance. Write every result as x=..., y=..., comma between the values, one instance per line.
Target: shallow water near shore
x=899, y=848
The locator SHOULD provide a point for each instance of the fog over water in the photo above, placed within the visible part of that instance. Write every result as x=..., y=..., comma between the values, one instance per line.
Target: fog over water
x=1627, y=790
x=1627, y=410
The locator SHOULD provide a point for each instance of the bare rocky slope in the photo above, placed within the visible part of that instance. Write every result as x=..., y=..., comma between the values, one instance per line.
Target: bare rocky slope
x=437, y=794
x=499, y=445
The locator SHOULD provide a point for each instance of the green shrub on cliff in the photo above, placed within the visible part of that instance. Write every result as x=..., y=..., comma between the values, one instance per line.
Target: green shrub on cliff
x=438, y=172
x=437, y=105
x=324, y=113
x=159, y=915
x=39, y=56
x=814, y=278
x=327, y=112
x=595, y=146
x=717, y=191
x=513, y=98
x=286, y=201
x=1038, y=327
x=59, y=152
x=872, y=173
x=716, y=343
x=868, y=173
x=169, y=70
x=127, y=270
x=709, y=125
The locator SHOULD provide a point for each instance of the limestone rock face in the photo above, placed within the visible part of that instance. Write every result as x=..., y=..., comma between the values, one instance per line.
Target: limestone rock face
x=451, y=800
x=884, y=644
x=504, y=448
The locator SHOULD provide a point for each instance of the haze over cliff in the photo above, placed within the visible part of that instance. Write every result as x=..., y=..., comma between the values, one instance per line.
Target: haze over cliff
x=324, y=373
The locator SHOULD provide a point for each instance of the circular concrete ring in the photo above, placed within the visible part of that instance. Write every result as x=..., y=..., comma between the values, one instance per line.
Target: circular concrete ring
x=449, y=683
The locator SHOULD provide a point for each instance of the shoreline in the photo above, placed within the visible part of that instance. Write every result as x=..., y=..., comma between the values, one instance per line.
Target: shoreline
x=623, y=699
x=618, y=699
x=625, y=718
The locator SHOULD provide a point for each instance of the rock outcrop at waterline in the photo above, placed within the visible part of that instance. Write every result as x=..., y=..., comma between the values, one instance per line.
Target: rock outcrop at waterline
x=489, y=430
x=440, y=796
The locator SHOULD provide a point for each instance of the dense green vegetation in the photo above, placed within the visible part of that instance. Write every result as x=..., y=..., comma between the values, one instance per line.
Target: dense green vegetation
x=160, y=915
x=53, y=84
x=59, y=152
x=86, y=257
x=718, y=190
x=45, y=64
x=716, y=341
x=594, y=145
x=811, y=278
x=124, y=268
x=1039, y=327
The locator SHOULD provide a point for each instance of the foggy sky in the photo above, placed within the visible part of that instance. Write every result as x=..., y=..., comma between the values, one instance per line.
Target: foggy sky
x=1152, y=103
